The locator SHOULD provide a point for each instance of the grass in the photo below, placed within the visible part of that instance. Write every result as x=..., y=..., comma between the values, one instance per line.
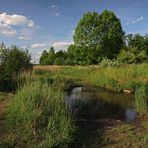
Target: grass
x=127, y=135
x=115, y=78
x=126, y=77
x=37, y=117
x=141, y=98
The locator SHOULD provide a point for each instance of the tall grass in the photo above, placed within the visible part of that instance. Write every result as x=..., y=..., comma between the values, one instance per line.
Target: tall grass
x=141, y=95
x=38, y=117
x=116, y=78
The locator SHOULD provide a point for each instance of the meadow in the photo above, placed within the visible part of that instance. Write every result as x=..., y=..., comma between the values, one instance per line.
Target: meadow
x=115, y=78
x=36, y=115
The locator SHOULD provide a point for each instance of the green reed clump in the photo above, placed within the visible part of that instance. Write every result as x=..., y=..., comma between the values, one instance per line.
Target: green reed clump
x=141, y=98
x=38, y=117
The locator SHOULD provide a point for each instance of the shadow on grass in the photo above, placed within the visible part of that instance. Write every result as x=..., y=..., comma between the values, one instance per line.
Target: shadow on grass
x=89, y=133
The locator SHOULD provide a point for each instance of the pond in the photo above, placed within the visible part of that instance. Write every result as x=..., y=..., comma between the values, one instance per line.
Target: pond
x=94, y=103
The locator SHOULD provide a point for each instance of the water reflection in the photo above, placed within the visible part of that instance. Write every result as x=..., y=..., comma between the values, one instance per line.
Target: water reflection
x=98, y=103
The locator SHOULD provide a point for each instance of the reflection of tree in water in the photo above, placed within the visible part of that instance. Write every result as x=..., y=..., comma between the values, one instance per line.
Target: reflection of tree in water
x=97, y=103
x=95, y=108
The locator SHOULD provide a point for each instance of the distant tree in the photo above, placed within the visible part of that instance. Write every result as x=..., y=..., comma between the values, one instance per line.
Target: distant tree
x=98, y=36
x=47, y=58
x=59, y=61
x=59, y=54
x=71, y=55
x=43, y=58
x=60, y=57
x=51, y=56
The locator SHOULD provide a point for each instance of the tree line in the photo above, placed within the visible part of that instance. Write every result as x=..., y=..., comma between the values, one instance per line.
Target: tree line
x=98, y=37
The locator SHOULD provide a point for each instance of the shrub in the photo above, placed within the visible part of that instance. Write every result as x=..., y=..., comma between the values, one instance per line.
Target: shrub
x=13, y=61
x=132, y=55
x=109, y=63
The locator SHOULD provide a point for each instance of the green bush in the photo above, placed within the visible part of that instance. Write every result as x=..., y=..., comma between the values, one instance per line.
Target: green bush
x=13, y=62
x=132, y=55
x=109, y=63
x=38, y=117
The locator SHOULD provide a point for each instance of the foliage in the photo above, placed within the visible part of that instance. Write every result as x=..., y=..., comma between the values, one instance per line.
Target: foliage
x=54, y=58
x=13, y=61
x=60, y=57
x=43, y=58
x=109, y=63
x=38, y=117
x=58, y=61
x=94, y=39
x=47, y=58
x=138, y=41
x=100, y=36
x=132, y=55
x=51, y=56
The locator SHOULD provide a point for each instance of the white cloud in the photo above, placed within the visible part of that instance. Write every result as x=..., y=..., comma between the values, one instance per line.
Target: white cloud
x=57, y=14
x=15, y=19
x=135, y=21
x=61, y=45
x=53, y=6
x=55, y=10
x=24, y=46
x=37, y=45
x=27, y=38
x=7, y=30
x=39, y=53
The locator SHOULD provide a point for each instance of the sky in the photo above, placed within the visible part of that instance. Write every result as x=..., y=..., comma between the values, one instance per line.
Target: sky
x=40, y=24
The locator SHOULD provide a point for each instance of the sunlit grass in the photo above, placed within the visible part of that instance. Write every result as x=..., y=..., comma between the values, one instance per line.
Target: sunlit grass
x=38, y=117
x=141, y=98
x=116, y=78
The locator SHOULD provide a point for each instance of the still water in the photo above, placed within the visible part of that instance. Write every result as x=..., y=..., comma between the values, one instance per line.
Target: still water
x=97, y=103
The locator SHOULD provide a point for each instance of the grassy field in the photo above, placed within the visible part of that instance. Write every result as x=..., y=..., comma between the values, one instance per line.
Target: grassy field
x=115, y=78
x=37, y=112
x=37, y=117
x=128, y=77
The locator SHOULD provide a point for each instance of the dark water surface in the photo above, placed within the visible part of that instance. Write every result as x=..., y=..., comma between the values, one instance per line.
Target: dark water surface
x=93, y=103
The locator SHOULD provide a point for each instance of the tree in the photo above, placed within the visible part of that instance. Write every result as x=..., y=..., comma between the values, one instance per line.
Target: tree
x=51, y=56
x=12, y=62
x=98, y=36
x=71, y=55
x=43, y=58
x=47, y=58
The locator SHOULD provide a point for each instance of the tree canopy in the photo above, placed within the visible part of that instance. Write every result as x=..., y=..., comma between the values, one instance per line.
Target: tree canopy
x=98, y=36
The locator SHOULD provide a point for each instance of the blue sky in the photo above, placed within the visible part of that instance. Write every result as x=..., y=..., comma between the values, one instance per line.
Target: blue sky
x=39, y=24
